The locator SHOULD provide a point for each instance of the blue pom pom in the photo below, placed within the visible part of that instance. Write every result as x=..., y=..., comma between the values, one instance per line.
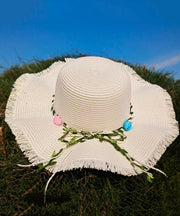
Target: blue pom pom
x=127, y=125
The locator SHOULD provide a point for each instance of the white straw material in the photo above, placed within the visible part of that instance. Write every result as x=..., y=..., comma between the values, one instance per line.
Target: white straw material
x=91, y=93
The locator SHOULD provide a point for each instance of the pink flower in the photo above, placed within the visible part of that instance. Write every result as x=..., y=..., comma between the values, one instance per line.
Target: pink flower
x=57, y=120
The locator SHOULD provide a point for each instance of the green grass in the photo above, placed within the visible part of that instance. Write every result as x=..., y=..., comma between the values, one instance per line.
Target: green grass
x=87, y=191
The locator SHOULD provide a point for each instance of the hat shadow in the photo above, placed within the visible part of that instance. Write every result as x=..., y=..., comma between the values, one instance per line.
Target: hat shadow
x=68, y=185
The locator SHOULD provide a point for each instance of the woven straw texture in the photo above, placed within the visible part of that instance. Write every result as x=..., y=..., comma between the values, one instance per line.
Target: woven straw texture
x=29, y=115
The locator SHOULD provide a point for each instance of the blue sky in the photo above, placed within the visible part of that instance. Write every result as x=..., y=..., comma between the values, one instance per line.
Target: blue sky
x=141, y=31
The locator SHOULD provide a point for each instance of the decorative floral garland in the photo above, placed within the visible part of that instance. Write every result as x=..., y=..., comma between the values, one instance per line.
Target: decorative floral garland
x=113, y=138
x=76, y=136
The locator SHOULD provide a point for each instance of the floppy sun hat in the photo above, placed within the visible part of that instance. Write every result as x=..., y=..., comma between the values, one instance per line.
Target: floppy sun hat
x=91, y=112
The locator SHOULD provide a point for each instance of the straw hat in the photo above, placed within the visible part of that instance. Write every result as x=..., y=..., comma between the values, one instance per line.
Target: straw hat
x=94, y=95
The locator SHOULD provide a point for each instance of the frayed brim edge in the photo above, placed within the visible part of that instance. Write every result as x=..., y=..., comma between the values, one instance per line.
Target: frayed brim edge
x=96, y=164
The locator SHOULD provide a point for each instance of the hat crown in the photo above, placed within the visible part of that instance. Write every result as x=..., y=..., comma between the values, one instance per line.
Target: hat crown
x=93, y=94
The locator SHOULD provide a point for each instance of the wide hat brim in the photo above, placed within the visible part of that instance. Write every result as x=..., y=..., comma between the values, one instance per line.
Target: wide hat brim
x=28, y=114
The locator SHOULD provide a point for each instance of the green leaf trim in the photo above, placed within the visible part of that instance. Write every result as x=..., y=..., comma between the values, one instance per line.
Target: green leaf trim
x=114, y=138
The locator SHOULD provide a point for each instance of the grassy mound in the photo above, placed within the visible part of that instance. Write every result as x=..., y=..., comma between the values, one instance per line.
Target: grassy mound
x=86, y=191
